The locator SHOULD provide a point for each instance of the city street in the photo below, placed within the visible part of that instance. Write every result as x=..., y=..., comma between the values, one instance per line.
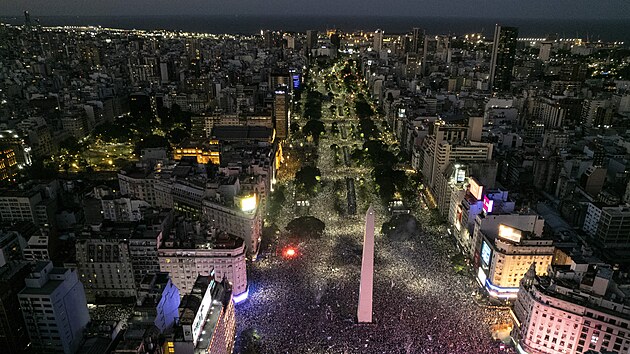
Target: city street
x=307, y=303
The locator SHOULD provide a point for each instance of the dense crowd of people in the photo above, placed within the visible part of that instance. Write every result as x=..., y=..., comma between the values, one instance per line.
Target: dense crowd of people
x=308, y=303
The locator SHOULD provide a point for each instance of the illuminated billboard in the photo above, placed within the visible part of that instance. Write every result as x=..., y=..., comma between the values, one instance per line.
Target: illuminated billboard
x=475, y=189
x=296, y=81
x=486, y=254
x=509, y=233
x=248, y=203
x=488, y=204
x=481, y=275
x=460, y=175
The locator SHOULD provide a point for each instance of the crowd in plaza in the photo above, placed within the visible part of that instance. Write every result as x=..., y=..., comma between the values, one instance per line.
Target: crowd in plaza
x=308, y=303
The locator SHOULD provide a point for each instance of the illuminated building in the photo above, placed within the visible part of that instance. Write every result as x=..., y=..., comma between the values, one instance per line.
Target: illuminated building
x=578, y=308
x=378, y=40
x=470, y=200
x=54, y=308
x=503, y=56
x=158, y=298
x=191, y=250
x=450, y=142
x=207, y=322
x=281, y=113
x=104, y=263
x=9, y=139
x=455, y=176
x=8, y=164
x=237, y=214
x=27, y=205
x=504, y=247
x=204, y=153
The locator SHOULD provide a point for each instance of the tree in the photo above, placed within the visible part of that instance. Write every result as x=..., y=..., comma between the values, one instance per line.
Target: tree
x=307, y=179
x=250, y=342
x=177, y=135
x=306, y=227
x=294, y=127
x=368, y=128
x=72, y=146
x=276, y=200
x=151, y=141
x=39, y=169
x=314, y=128
x=363, y=109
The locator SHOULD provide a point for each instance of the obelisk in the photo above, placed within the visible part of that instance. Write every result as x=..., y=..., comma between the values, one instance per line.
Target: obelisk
x=364, y=312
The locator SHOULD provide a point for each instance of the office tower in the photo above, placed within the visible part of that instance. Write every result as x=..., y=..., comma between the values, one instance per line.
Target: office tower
x=608, y=227
x=335, y=39
x=281, y=113
x=207, y=321
x=504, y=247
x=13, y=334
x=378, y=40
x=311, y=41
x=27, y=19
x=104, y=264
x=503, y=56
x=545, y=50
x=416, y=40
x=54, y=308
x=364, y=310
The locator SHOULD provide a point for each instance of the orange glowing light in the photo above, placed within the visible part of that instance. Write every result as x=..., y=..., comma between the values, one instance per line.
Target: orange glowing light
x=290, y=252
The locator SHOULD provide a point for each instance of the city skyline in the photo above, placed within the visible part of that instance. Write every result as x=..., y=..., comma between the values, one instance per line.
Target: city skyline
x=239, y=187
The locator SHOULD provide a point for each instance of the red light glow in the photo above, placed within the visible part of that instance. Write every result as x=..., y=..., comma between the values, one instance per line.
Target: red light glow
x=289, y=252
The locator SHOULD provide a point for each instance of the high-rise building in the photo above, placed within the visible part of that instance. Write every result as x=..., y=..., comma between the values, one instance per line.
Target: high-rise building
x=612, y=228
x=13, y=334
x=377, y=44
x=545, y=50
x=104, y=263
x=504, y=247
x=54, y=308
x=503, y=56
x=576, y=309
x=472, y=200
x=207, y=321
x=281, y=113
x=158, y=298
x=416, y=39
x=311, y=41
x=335, y=39
x=240, y=217
x=191, y=250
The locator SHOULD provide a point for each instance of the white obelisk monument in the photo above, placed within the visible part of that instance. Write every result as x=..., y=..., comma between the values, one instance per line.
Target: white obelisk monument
x=364, y=312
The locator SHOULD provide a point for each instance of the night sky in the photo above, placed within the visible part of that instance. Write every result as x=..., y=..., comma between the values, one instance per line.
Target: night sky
x=564, y=9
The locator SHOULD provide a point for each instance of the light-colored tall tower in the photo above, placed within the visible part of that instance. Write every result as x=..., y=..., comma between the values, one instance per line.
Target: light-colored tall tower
x=54, y=308
x=364, y=312
x=378, y=40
